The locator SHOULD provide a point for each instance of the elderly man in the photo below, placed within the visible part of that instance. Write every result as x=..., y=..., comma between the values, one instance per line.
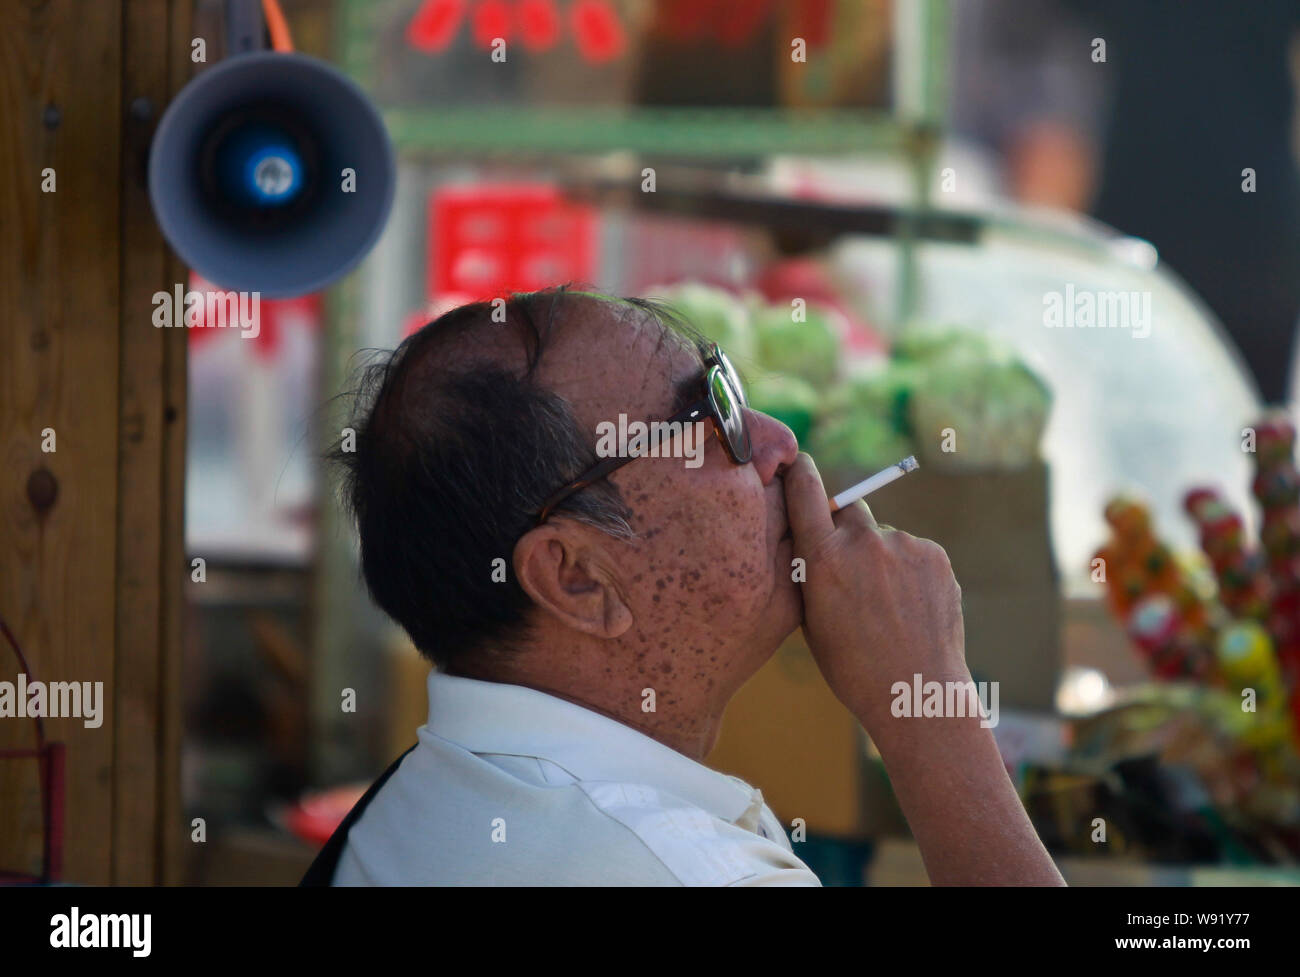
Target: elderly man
x=590, y=614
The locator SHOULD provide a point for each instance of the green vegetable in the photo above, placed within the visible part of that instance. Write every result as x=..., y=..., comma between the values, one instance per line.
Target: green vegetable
x=863, y=425
x=877, y=391
x=993, y=405
x=717, y=314
x=858, y=444
x=810, y=350
x=924, y=344
x=790, y=400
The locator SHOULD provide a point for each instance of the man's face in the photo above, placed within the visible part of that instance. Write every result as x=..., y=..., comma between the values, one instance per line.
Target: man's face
x=708, y=577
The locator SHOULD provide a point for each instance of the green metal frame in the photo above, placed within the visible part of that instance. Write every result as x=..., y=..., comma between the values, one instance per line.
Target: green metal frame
x=689, y=132
x=911, y=132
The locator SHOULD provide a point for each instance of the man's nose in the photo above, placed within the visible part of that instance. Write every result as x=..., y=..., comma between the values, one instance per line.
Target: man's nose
x=775, y=445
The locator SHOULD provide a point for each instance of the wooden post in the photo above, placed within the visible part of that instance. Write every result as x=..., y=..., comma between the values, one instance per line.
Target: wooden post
x=92, y=560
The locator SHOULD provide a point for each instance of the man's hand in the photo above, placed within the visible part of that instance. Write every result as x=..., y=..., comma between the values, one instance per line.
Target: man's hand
x=881, y=606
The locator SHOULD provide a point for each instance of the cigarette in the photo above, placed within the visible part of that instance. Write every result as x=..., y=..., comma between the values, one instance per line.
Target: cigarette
x=869, y=485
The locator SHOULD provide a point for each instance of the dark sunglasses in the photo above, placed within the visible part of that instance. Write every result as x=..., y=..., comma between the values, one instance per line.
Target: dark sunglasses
x=725, y=405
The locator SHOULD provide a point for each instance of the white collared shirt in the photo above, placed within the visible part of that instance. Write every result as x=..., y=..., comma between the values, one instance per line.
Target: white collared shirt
x=511, y=786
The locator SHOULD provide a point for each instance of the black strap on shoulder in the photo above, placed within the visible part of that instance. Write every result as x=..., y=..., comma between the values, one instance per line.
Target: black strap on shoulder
x=321, y=873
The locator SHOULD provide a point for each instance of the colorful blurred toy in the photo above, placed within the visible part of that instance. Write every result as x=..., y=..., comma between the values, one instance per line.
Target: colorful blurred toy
x=1155, y=598
x=1277, y=490
x=1173, y=648
x=1248, y=639
x=1247, y=661
x=1244, y=588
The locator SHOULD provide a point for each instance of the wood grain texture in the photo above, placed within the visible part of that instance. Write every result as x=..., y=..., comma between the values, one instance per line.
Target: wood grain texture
x=175, y=832
x=92, y=585
x=59, y=297
x=146, y=503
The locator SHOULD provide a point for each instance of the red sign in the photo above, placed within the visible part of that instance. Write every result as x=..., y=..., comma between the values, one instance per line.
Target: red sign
x=486, y=241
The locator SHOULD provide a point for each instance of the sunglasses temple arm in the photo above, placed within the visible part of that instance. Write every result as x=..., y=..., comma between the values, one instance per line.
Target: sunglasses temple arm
x=611, y=465
x=592, y=475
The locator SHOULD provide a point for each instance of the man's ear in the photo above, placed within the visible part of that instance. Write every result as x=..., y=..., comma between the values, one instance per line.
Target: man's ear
x=563, y=566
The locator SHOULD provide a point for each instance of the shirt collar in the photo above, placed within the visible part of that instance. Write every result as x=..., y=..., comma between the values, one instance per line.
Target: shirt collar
x=493, y=717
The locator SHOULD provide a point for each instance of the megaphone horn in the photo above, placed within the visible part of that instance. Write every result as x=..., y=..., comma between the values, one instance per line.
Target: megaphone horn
x=271, y=172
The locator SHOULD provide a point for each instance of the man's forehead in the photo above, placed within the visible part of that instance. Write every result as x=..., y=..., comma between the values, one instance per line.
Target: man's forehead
x=616, y=356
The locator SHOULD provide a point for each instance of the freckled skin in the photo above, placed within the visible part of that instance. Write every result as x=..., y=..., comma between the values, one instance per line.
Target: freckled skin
x=709, y=538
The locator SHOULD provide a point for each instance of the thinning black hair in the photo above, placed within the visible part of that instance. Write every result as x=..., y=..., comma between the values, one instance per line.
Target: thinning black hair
x=451, y=464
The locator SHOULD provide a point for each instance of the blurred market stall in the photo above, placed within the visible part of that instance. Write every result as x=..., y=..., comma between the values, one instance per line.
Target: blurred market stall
x=803, y=204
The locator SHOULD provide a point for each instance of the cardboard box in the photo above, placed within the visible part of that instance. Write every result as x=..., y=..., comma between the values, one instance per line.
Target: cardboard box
x=994, y=526
x=786, y=734
x=408, y=696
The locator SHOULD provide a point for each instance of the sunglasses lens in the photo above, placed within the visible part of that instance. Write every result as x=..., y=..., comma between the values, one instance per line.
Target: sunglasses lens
x=733, y=375
x=728, y=408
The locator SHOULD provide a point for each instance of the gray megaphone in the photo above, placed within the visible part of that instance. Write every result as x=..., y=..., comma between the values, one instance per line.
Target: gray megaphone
x=271, y=172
